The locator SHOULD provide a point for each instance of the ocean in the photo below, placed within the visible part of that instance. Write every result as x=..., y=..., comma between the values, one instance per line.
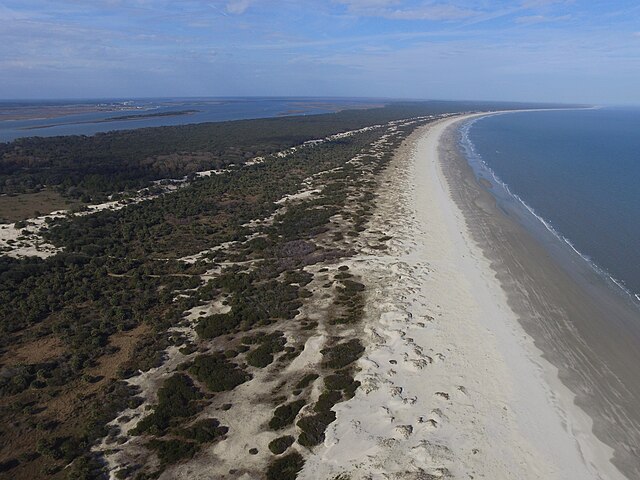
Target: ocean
x=577, y=175
x=73, y=117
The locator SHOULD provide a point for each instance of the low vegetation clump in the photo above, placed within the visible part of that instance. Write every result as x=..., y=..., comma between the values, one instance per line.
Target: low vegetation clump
x=217, y=373
x=306, y=380
x=285, y=468
x=262, y=355
x=281, y=444
x=176, y=399
x=313, y=428
x=343, y=382
x=205, y=431
x=342, y=354
x=254, y=301
x=284, y=415
x=172, y=451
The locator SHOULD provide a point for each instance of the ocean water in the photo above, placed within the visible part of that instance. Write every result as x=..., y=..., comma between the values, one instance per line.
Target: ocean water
x=577, y=172
x=205, y=110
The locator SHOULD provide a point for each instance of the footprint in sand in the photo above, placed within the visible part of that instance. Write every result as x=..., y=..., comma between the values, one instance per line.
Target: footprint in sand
x=435, y=418
x=404, y=431
x=388, y=413
x=444, y=395
x=369, y=384
x=421, y=363
x=431, y=423
x=439, y=357
x=395, y=391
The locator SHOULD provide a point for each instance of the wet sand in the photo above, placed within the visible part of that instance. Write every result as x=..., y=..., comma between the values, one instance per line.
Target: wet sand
x=585, y=330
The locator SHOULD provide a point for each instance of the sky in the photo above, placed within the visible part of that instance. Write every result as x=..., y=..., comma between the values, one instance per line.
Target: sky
x=529, y=50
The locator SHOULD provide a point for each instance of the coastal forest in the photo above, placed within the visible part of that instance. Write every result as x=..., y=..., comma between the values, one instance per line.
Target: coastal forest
x=187, y=324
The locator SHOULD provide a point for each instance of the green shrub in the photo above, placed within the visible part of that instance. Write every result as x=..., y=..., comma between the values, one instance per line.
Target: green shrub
x=327, y=400
x=285, y=468
x=263, y=355
x=285, y=414
x=176, y=399
x=313, y=428
x=280, y=444
x=341, y=381
x=216, y=325
x=206, y=430
x=343, y=354
x=172, y=451
x=260, y=357
x=218, y=373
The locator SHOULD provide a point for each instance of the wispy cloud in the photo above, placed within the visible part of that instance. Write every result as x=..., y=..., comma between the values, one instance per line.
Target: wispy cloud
x=533, y=19
x=418, y=48
x=238, y=7
x=397, y=10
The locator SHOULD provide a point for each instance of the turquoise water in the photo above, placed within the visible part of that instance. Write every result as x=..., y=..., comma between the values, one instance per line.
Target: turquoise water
x=577, y=172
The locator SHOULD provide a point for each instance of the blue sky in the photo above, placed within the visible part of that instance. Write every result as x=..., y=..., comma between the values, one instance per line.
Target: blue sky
x=539, y=50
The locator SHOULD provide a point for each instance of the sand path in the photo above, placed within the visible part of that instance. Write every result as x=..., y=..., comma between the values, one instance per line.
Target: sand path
x=452, y=387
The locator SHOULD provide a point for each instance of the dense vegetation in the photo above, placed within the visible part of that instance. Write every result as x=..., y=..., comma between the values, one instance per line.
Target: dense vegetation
x=92, y=167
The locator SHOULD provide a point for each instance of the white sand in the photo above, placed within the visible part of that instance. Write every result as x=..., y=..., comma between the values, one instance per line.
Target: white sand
x=452, y=387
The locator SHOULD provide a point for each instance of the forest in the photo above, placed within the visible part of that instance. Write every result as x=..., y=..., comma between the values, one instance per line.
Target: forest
x=93, y=167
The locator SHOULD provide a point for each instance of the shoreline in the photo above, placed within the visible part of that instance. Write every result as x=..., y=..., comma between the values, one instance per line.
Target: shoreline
x=495, y=183
x=452, y=385
x=582, y=327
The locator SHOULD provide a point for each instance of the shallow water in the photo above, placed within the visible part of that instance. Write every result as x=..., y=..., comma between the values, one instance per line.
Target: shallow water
x=577, y=171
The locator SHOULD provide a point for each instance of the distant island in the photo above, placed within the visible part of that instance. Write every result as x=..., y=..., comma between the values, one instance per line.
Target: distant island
x=147, y=115
x=119, y=118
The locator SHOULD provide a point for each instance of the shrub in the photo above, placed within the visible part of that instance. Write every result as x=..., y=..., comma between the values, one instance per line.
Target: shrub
x=313, y=428
x=216, y=325
x=172, y=451
x=285, y=468
x=343, y=354
x=175, y=399
x=285, y=414
x=342, y=381
x=263, y=355
x=260, y=357
x=218, y=373
x=280, y=444
x=327, y=400
x=206, y=430
x=306, y=380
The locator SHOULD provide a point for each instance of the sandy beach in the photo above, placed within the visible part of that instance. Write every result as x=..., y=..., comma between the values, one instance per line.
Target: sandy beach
x=469, y=328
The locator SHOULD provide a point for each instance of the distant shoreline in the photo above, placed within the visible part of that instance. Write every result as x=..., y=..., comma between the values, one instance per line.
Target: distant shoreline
x=117, y=119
